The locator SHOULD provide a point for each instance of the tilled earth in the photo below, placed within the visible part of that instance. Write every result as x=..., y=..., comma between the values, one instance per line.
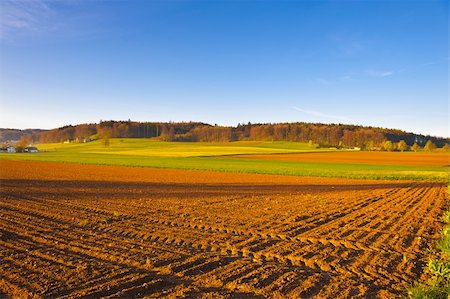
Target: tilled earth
x=376, y=158
x=70, y=230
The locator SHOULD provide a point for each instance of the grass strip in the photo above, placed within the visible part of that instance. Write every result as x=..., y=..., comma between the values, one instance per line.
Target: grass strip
x=438, y=268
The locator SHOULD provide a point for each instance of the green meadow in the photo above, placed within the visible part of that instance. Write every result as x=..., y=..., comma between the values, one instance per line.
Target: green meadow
x=153, y=148
x=220, y=157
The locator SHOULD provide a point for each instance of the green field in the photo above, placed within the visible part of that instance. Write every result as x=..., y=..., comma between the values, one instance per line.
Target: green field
x=218, y=157
x=153, y=148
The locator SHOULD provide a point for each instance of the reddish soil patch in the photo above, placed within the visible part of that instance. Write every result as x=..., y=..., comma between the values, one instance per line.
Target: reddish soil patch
x=387, y=158
x=68, y=171
x=70, y=230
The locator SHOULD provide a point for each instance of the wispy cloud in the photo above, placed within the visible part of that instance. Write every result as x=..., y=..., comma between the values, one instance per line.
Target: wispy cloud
x=440, y=61
x=24, y=16
x=322, y=81
x=429, y=63
x=47, y=18
x=322, y=115
x=346, y=78
x=349, y=44
x=379, y=73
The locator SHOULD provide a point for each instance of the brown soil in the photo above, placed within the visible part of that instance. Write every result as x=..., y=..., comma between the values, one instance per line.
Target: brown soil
x=63, y=171
x=387, y=158
x=91, y=231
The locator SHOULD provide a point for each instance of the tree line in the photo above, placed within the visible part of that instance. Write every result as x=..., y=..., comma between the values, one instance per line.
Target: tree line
x=325, y=135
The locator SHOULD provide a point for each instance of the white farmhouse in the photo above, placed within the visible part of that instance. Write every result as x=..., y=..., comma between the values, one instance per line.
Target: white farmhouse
x=10, y=149
x=31, y=149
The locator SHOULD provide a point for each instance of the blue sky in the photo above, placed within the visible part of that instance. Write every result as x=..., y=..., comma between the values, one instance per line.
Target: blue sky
x=378, y=63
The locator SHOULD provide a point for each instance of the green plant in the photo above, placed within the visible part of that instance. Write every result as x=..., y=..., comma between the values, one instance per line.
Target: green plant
x=439, y=268
x=444, y=243
x=421, y=291
x=446, y=217
x=438, y=285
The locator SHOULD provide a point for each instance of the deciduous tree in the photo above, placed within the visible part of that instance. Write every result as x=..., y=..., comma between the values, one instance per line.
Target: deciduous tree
x=402, y=146
x=21, y=144
x=105, y=140
x=415, y=147
x=430, y=146
x=387, y=145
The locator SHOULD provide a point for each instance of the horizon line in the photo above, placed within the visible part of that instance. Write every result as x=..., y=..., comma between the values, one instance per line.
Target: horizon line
x=227, y=125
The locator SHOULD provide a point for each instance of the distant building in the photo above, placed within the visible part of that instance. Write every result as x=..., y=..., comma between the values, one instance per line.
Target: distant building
x=10, y=149
x=31, y=149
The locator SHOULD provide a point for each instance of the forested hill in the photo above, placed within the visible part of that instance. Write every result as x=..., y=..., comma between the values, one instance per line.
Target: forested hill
x=16, y=134
x=322, y=134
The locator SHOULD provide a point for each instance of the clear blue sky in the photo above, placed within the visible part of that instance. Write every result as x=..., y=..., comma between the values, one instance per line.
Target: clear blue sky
x=379, y=63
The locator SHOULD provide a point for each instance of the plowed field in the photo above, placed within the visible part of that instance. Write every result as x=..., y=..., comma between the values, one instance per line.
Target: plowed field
x=385, y=158
x=70, y=230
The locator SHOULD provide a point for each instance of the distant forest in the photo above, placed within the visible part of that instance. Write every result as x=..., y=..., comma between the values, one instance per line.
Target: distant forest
x=325, y=135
